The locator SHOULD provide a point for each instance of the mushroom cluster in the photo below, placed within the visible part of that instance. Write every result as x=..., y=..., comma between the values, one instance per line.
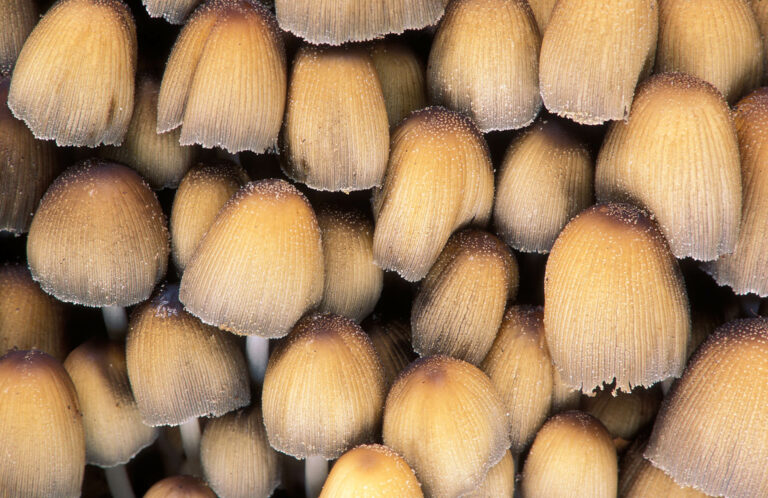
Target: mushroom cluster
x=383, y=248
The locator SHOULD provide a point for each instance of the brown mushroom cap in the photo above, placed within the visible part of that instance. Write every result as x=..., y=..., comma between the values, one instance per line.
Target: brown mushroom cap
x=180, y=487
x=105, y=222
x=391, y=339
x=326, y=375
x=180, y=368
x=41, y=434
x=615, y=303
x=710, y=432
x=74, y=78
x=114, y=431
x=260, y=265
x=446, y=419
x=225, y=81
x=484, y=62
x=373, y=471
x=589, y=75
x=401, y=75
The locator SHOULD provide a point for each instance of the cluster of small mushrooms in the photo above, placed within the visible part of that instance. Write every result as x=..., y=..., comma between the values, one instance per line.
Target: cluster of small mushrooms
x=384, y=248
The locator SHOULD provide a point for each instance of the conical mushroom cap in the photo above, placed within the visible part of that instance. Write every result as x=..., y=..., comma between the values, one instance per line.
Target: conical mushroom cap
x=546, y=178
x=520, y=368
x=446, y=419
x=203, y=191
x=326, y=375
x=335, y=23
x=401, y=75
x=391, y=339
x=615, y=303
x=114, y=432
x=572, y=456
x=173, y=11
x=159, y=158
x=74, y=78
x=484, y=62
x=180, y=487
x=373, y=471
x=746, y=269
x=260, y=266
x=542, y=10
x=593, y=54
x=179, y=367
x=335, y=131
x=638, y=478
x=461, y=302
x=439, y=178
x=27, y=167
x=711, y=431
x=353, y=282
x=715, y=40
x=236, y=456
x=105, y=222
x=29, y=318
x=624, y=414
x=41, y=434
x=225, y=80
x=678, y=157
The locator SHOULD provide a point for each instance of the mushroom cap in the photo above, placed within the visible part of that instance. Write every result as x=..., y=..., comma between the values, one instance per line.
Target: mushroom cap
x=371, y=471
x=180, y=368
x=710, y=433
x=103, y=220
x=180, y=487
x=615, y=303
x=260, y=265
x=114, y=431
x=402, y=76
x=446, y=419
x=327, y=376
x=41, y=434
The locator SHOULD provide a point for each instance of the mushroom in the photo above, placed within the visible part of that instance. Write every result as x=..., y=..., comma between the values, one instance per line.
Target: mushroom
x=258, y=268
x=105, y=222
x=336, y=131
x=29, y=318
x=520, y=368
x=461, y=302
x=593, y=54
x=203, y=191
x=446, y=419
x=710, y=433
x=181, y=369
x=157, y=157
x=41, y=434
x=173, y=11
x=542, y=10
x=680, y=127
x=717, y=41
x=484, y=62
x=746, y=269
x=114, y=431
x=355, y=20
x=572, y=456
x=373, y=471
x=353, y=282
x=326, y=375
x=439, y=178
x=624, y=414
x=21, y=16
x=391, y=339
x=237, y=459
x=401, y=75
x=615, y=303
x=225, y=80
x=545, y=179
x=180, y=487
x=74, y=79
x=27, y=167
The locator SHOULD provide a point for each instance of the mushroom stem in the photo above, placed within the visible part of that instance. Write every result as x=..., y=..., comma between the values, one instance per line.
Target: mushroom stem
x=118, y=481
x=190, y=440
x=257, y=351
x=116, y=321
x=315, y=472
